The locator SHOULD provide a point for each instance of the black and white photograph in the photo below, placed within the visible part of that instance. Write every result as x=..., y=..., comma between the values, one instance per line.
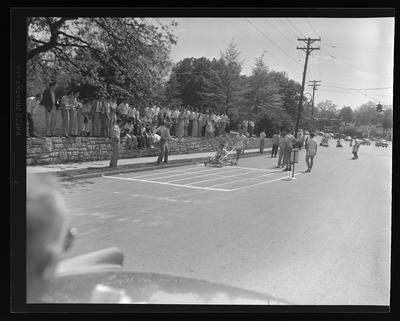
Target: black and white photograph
x=190, y=159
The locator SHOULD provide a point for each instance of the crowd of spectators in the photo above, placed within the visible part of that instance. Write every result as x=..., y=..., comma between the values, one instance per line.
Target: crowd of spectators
x=95, y=118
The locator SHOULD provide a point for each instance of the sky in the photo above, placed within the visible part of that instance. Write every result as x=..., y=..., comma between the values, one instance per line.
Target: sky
x=354, y=63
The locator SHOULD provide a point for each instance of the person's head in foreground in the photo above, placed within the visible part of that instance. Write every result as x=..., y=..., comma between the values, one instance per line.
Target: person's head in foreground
x=47, y=236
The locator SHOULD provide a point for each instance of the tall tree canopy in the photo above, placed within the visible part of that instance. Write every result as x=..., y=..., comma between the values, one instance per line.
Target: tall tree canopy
x=126, y=57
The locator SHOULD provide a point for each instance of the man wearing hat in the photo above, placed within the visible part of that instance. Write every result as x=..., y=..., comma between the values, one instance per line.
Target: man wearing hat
x=49, y=103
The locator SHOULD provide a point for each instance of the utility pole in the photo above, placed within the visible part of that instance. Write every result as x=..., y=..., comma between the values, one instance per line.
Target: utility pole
x=308, y=51
x=314, y=84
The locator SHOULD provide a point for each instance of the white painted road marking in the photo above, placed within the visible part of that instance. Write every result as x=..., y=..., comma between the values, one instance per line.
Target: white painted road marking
x=266, y=182
x=246, y=179
x=170, y=184
x=213, y=187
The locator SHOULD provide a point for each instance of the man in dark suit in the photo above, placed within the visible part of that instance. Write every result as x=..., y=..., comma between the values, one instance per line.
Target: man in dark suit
x=49, y=103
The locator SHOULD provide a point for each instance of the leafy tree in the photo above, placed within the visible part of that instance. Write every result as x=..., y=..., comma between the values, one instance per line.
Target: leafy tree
x=327, y=109
x=127, y=57
x=223, y=88
x=261, y=91
x=388, y=118
x=347, y=114
x=366, y=114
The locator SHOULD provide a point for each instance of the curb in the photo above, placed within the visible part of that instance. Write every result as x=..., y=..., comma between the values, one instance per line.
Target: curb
x=143, y=167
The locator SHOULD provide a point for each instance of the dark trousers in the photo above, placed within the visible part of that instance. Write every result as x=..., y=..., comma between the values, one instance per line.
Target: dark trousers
x=140, y=140
x=163, y=151
x=173, y=127
x=30, y=124
x=190, y=127
x=114, y=152
x=274, y=150
x=147, y=140
x=203, y=131
x=239, y=151
x=251, y=130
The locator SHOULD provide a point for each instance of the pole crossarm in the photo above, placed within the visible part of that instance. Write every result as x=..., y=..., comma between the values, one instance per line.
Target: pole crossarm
x=308, y=49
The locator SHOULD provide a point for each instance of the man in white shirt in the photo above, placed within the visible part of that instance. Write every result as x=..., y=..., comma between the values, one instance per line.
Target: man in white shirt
x=311, y=151
x=165, y=137
x=31, y=104
x=123, y=109
x=262, y=141
x=115, y=138
x=275, y=144
x=241, y=139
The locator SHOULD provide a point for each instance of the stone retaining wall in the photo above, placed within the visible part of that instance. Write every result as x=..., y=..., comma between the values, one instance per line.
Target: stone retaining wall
x=59, y=150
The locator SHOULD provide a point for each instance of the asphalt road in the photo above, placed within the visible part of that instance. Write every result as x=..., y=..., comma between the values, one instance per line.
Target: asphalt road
x=322, y=238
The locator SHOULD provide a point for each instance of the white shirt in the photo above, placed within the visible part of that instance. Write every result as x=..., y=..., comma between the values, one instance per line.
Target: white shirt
x=116, y=132
x=123, y=108
x=240, y=139
x=31, y=104
x=262, y=135
x=65, y=102
x=131, y=112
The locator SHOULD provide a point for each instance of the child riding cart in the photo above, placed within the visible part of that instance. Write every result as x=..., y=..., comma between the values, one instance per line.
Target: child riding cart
x=222, y=157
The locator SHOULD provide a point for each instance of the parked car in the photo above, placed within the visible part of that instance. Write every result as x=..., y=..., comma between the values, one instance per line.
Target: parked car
x=381, y=143
x=327, y=136
x=324, y=142
x=347, y=138
x=365, y=141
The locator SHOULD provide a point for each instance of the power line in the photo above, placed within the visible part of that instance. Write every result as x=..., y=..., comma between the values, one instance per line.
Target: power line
x=359, y=88
x=295, y=28
x=291, y=41
x=249, y=37
x=358, y=48
x=309, y=23
x=265, y=36
x=287, y=27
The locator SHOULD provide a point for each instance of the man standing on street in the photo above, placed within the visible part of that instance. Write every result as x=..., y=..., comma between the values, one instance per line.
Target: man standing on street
x=311, y=151
x=289, y=140
x=262, y=141
x=31, y=104
x=357, y=144
x=49, y=103
x=275, y=144
x=115, y=138
x=241, y=140
x=165, y=137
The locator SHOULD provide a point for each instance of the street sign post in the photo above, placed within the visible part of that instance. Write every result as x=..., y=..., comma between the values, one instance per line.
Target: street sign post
x=294, y=158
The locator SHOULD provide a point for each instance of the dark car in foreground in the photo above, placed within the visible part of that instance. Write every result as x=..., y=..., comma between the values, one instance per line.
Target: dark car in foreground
x=98, y=277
